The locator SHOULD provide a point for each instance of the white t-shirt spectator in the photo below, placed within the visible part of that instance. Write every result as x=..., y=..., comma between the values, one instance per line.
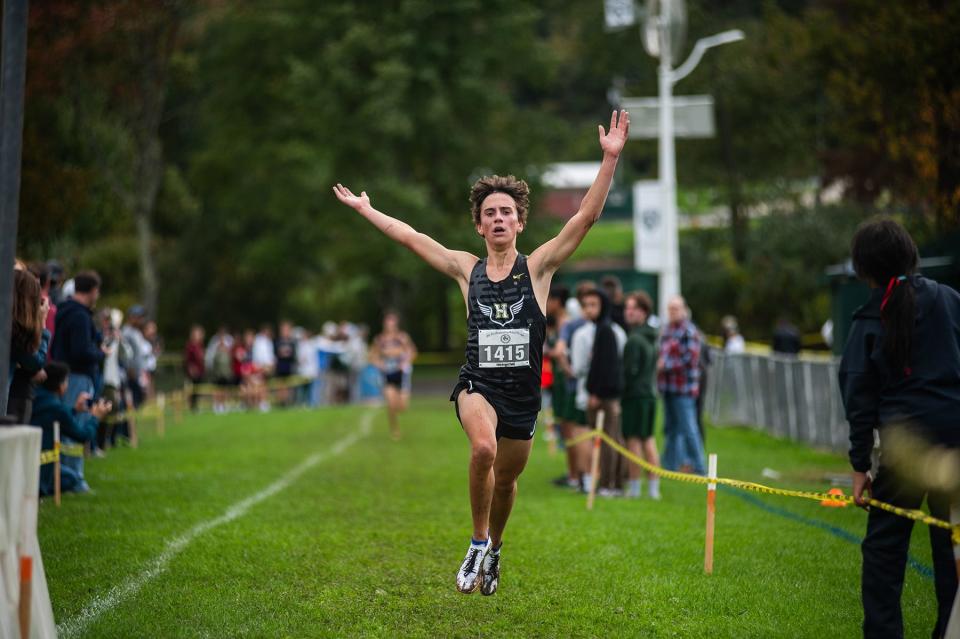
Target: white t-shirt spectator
x=263, y=356
x=735, y=345
x=581, y=351
x=307, y=364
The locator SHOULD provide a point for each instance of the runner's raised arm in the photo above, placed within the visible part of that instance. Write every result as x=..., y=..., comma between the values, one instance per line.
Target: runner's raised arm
x=456, y=264
x=548, y=258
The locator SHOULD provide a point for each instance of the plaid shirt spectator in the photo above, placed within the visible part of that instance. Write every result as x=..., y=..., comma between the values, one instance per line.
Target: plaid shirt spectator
x=680, y=354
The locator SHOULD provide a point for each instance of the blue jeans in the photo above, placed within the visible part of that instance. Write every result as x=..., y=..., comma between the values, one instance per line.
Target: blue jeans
x=683, y=445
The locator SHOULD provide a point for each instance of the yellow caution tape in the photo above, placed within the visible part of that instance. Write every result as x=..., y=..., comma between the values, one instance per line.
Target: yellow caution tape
x=916, y=515
x=48, y=457
x=71, y=450
x=271, y=386
x=573, y=441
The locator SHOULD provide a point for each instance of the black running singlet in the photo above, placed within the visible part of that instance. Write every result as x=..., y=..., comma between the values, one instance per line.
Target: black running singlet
x=505, y=334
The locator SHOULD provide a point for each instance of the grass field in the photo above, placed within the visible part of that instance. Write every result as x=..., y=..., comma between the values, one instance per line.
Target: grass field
x=366, y=542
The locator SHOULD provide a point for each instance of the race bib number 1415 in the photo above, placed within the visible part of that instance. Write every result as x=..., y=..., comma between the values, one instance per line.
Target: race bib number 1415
x=504, y=348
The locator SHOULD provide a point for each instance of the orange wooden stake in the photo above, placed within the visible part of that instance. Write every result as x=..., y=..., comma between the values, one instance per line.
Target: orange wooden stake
x=711, y=515
x=26, y=578
x=595, y=461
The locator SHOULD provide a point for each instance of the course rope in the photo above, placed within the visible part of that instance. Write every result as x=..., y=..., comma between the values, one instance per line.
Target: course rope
x=916, y=515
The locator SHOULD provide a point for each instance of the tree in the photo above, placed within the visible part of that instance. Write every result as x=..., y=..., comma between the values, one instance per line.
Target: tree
x=893, y=87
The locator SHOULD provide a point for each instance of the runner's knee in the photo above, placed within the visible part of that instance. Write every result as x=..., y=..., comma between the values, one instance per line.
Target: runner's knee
x=484, y=452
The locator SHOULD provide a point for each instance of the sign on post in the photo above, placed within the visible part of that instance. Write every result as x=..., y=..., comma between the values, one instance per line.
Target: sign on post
x=619, y=14
x=692, y=116
x=649, y=228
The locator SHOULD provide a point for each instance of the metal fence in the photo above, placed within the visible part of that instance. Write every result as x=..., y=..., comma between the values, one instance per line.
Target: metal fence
x=795, y=398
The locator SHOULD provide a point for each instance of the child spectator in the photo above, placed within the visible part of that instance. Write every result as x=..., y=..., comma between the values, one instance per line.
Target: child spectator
x=78, y=423
x=28, y=344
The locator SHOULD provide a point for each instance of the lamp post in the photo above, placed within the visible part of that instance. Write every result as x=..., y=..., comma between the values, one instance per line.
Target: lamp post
x=658, y=29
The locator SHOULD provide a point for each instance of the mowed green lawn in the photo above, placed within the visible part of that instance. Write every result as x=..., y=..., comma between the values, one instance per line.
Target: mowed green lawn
x=367, y=542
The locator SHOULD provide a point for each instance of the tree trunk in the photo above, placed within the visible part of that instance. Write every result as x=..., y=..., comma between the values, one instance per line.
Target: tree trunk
x=154, y=51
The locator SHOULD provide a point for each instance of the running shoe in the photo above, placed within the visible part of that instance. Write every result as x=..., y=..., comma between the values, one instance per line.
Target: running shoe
x=490, y=573
x=470, y=576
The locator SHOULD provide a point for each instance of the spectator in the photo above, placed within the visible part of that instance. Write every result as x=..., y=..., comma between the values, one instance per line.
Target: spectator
x=55, y=275
x=29, y=341
x=596, y=355
x=678, y=379
x=248, y=375
x=308, y=366
x=151, y=355
x=219, y=362
x=263, y=356
x=43, y=274
x=285, y=349
x=76, y=340
x=900, y=366
x=356, y=356
x=614, y=289
x=135, y=353
x=576, y=417
x=639, y=403
x=78, y=423
x=786, y=338
x=112, y=377
x=733, y=342
x=194, y=362
x=555, y=352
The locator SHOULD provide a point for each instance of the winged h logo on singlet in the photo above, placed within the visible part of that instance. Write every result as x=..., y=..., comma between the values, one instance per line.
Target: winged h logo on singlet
x=499, y=311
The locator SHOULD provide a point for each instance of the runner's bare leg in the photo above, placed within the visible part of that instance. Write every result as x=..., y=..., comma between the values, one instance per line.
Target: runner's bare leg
x=512, y=455
x=480, y=424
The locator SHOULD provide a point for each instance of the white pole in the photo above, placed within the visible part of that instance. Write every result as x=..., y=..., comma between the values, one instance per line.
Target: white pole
x=670, y=275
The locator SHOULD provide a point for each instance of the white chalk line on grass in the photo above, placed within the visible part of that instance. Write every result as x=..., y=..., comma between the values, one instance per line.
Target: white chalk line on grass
x=77, y=625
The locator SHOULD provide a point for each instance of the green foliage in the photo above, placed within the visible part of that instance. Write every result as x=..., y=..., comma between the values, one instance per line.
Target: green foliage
x=268, y=104
x=782, y=277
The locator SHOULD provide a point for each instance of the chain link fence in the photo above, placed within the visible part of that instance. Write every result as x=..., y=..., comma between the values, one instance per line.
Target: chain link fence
x=795, y=398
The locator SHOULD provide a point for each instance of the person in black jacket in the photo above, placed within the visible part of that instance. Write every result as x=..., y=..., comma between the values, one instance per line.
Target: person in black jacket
x=900, y=367
x=76, y=340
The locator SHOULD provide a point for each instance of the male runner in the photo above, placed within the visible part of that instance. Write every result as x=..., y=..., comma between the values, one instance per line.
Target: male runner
x=393, y=353
x=497, y=397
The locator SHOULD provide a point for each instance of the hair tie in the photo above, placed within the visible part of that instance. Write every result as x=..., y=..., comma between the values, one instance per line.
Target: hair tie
x=892, y=284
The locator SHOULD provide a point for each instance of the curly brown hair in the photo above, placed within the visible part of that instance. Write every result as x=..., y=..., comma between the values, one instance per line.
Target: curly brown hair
x=517, y=189
x=26, y=330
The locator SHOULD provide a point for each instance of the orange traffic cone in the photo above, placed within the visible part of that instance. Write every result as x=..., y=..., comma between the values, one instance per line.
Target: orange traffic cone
x=834, y=503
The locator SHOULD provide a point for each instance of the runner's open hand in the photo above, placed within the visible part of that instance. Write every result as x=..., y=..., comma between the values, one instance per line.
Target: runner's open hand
x=346, y=196
x=612, y=141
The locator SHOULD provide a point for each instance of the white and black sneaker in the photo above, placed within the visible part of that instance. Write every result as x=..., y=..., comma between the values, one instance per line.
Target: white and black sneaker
x=490, y=573
x=470, y=576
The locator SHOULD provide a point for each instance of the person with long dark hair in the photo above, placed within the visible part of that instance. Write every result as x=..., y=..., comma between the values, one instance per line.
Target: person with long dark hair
x=28, y=343
x=900, y=367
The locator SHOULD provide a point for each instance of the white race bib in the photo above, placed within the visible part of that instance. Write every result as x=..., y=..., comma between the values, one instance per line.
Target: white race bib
x=504, y=348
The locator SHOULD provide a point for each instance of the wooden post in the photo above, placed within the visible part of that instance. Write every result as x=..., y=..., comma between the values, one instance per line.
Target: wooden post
x=161, y=414
x=56, y=464
x=595, y=461
x=26, y=582
x=552, y=436
x=178, y=406
x=711, y=514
